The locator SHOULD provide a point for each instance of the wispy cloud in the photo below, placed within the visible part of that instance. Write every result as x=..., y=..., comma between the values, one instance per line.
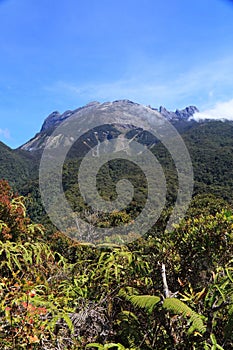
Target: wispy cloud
x=201, y=84
x=221, y=111
x=5, y=133
x=120, y=89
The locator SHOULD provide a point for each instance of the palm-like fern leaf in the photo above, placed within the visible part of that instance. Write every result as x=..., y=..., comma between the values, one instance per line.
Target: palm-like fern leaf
x=145, y=301
x=178, y=307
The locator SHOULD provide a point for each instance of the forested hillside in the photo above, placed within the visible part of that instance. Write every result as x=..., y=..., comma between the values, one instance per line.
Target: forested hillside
x=16, y=166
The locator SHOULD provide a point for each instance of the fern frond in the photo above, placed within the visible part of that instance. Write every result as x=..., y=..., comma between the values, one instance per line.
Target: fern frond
x=178, y=307
x=95, y=345
x=113, y=345
x=145, y=301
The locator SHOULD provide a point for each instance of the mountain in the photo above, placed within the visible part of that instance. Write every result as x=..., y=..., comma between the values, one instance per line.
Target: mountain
x=118, y=109
x=20, y=165
x=210, y=144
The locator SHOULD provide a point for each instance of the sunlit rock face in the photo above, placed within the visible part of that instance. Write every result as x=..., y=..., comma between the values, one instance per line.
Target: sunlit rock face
x=120, y=110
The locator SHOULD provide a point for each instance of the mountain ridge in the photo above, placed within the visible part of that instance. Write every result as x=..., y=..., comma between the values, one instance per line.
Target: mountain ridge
x=118, y=108
x=55, y=118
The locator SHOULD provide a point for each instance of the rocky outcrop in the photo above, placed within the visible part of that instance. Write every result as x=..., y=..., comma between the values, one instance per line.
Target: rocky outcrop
x=55, y=118
x=120, y=109
x=183, y=114
x=187, y=112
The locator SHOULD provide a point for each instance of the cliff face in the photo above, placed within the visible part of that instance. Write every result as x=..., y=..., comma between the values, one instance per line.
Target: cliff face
x=55, y=118
x=119, y=109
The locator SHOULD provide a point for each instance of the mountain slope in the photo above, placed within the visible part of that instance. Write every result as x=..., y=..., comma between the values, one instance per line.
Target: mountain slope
x=16, y=166
x=210, y=145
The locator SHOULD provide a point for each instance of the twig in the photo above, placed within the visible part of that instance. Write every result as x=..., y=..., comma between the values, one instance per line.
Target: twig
x=167, y=292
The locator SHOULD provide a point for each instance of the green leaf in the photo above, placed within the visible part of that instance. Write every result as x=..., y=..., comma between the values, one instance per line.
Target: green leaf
x=145, y=301
x=95, y=345
x=178, y=307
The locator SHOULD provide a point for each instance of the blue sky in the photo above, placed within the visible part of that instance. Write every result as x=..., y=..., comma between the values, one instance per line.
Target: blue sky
x=62, y=54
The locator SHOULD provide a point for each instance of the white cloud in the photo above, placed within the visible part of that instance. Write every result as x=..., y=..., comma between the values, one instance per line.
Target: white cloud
x=5, y=133
x=221, y=111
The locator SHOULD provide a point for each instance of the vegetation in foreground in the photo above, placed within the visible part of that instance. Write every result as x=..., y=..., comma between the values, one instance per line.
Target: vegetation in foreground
x=173, y=290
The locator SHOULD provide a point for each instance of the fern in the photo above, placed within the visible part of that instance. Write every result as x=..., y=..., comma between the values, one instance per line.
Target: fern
x=98, y=346
x=172, y=304
x=178, y=307
x=144, y=301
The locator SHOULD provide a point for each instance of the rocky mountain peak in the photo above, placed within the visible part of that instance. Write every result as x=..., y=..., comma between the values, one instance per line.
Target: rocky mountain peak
x=119, y=108
x=55, y=118
x=187, y=112
x=183, y=114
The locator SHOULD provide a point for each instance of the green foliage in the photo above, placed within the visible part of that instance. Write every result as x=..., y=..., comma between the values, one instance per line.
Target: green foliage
x=18, y=167
x=178, y=307
x=203, y=242
x=149, y=302
x=14, y=225
x=56, y=293
x=107, y=346
x=145, y=301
